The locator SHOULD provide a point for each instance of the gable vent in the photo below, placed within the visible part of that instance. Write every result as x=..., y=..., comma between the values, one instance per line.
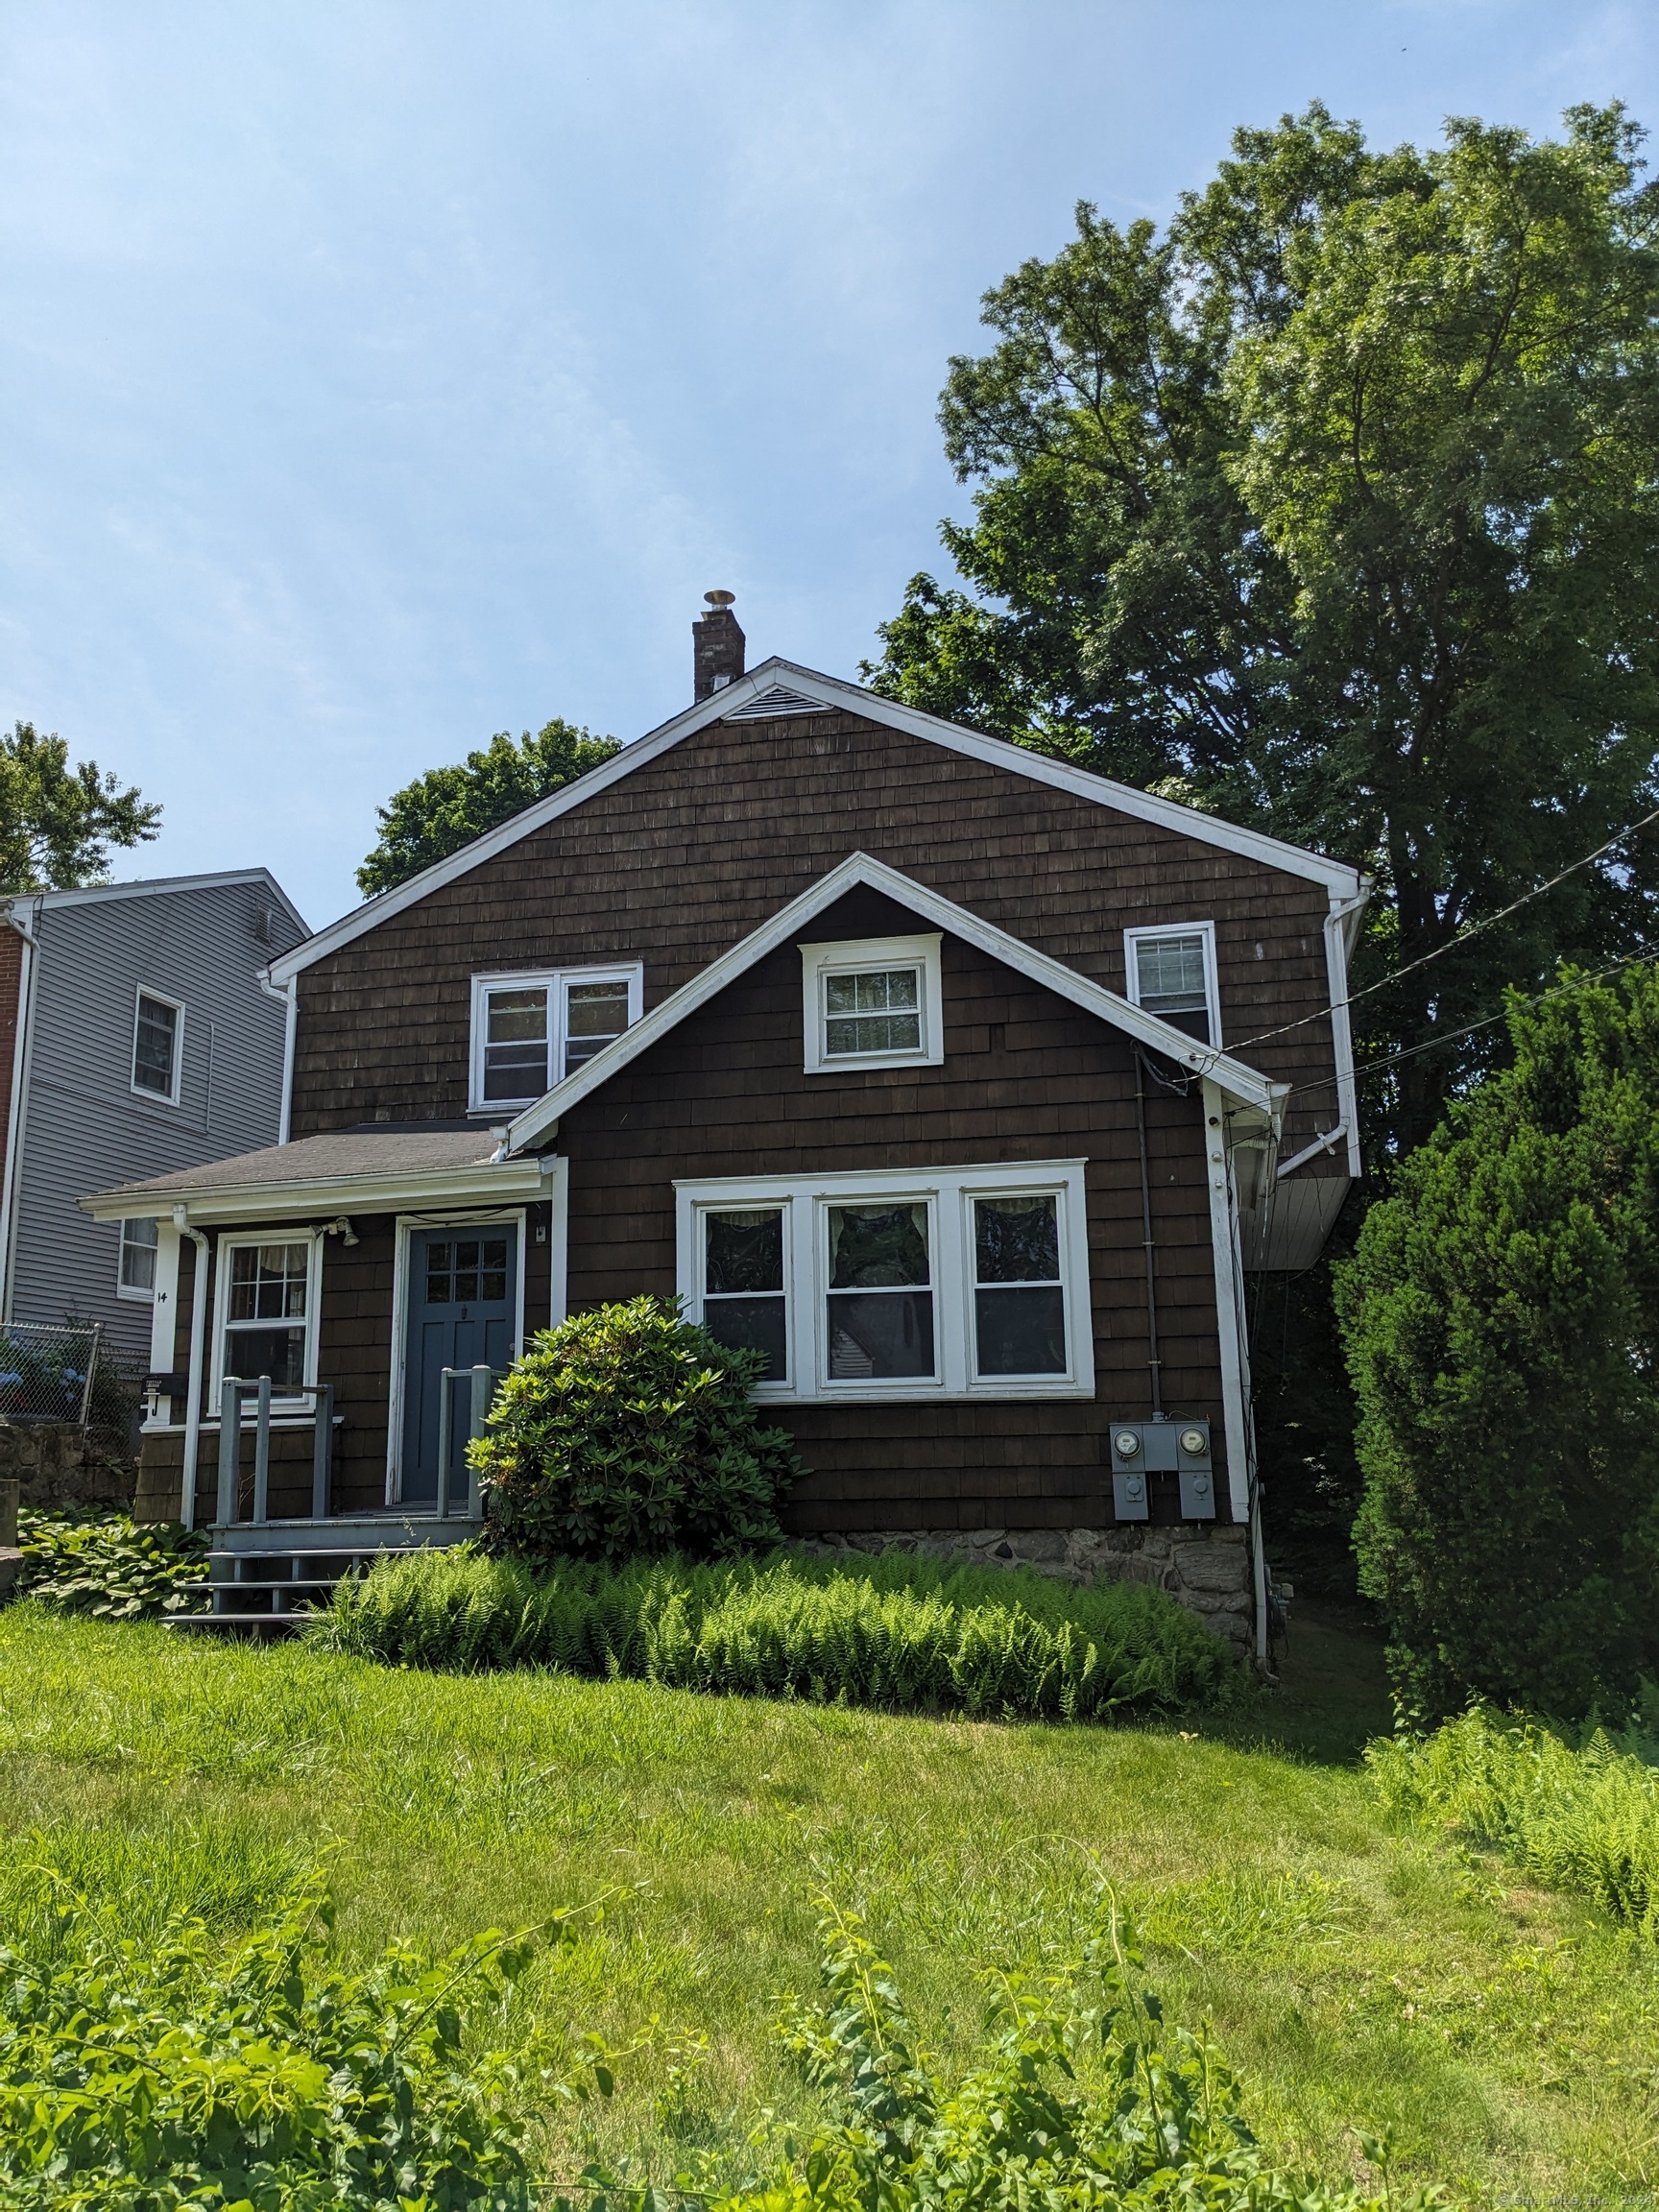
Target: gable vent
x=780, y=700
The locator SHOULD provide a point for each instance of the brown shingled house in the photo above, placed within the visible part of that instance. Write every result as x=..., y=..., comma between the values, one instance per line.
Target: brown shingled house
x=967, y=1084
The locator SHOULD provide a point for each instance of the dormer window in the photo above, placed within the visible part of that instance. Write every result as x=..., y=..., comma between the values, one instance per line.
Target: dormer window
x=531, y=1031
x=872, y=1002
x=1172, y=975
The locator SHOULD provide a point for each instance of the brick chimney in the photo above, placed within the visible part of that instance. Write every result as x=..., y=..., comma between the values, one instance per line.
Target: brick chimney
x=716, y=646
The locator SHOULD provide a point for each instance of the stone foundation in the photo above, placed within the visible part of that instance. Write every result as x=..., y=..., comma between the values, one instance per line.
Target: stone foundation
x=1203, y=1565
x=60, y=1463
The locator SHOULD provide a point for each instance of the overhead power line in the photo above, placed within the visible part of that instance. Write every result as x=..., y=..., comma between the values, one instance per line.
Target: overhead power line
x=1460, y=937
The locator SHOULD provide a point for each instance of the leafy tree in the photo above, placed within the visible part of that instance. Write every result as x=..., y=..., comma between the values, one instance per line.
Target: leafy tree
x=1333, y=508
x=1502, y=1315
x=57, y=823
x=447, y=808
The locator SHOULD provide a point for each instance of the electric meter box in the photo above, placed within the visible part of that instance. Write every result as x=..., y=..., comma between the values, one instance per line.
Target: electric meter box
x=1179, y=1447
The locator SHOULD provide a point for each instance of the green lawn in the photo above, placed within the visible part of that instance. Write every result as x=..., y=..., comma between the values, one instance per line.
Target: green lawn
x=1358, y=1976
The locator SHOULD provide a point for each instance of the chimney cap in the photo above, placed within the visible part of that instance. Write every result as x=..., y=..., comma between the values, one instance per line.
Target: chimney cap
x=720, y=598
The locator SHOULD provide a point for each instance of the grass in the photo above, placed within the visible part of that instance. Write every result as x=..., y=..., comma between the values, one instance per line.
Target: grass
x=1358, y=1974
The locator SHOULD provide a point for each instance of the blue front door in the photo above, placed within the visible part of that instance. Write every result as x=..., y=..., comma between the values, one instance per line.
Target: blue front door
x=463, y=1289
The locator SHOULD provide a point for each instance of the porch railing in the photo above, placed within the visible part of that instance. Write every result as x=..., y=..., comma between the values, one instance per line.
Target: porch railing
x=481, y=1382
x=235, y=1389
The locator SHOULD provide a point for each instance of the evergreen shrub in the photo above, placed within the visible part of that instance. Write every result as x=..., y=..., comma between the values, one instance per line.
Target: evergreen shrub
x=897, y=1632
x=626, y=1432
x=1502, y=1320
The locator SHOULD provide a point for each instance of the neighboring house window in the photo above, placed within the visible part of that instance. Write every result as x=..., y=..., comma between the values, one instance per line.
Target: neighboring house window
x=267, y=1299
x=1172, y=975
x=874, y=1002
x=156, y=1046
x=137, y=1276
x=531, y=1031
x=960, y=1281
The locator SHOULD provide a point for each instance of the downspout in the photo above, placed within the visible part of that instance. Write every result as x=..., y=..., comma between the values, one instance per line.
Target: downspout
x=198, y=1335
x=287, y=995
x=16, y=1114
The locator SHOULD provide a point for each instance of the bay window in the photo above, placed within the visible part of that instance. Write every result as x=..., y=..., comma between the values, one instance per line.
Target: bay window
x=963, y=1282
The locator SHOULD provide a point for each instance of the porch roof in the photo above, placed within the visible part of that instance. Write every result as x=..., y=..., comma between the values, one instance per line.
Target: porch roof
x=346, y=1171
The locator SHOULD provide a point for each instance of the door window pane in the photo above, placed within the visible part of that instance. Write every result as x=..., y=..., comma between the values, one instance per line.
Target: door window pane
x=1169, y=976
x=465, y=1270
x=1019, y=1303
x=876, y=1010
x=880, y=1308
x=154, y=1044
x=595, y=1013
x=138, y=1241
x=743, y=1298
x=515, y=1044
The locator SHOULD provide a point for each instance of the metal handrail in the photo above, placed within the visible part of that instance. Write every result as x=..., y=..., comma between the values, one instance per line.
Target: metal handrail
x=482, y=1380
x=233, y=1391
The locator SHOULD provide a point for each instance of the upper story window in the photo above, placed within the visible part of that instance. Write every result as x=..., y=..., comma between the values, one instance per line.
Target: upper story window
x=531, y=1031
x=139, y=1241
x=1172, y=975
x=156, y=1039
x=872, y=1003
x=949, y=1283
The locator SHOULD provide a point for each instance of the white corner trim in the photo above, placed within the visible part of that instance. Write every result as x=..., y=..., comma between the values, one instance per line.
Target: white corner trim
x=1241, y=1083
x=1342, y=927
x=1230, y=1311
x=819, y=962
x=837, y=697
x=1132, y=940
x=948, y=1193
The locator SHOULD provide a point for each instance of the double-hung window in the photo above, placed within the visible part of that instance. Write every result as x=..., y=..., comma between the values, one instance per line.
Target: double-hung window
x=139, y=1243
x=956, y=1283
x=531, y=1031
x=875, y=1003
x=1172, y=975
x=156, y=1027
x=268, y=1289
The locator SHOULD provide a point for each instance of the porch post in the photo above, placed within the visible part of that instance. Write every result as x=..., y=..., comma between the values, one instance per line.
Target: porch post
x=229, y=1449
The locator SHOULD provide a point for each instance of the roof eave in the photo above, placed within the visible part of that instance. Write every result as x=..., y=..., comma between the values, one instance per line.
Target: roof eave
x=506, y=1180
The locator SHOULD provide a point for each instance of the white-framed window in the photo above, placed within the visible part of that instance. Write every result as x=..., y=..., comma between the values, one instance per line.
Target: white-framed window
x=136, y=1277
x=1172, y=975
x=265, y=1323
x=531, y=1031
x=158, y=1040
x=959, y=1281
x=872, y=1002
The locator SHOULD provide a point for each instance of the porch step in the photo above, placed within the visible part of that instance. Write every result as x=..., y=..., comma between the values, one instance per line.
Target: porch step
x=264, y=1578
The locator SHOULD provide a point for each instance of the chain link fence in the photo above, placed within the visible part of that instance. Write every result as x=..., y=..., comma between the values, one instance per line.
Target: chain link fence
x=50, y=1370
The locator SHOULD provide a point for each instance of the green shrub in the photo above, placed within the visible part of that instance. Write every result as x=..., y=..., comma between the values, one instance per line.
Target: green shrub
x=1501, y=1317
x=628, y=1431
x=897, y=1633
x=1583, y=1818
x=190, y=2070
x=95, y=1561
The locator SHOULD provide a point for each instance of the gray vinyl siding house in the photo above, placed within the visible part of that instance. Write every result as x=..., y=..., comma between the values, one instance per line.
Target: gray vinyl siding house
x=138, y=1039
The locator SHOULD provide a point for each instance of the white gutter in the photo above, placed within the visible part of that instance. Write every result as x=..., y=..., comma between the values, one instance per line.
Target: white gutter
x=198, y=1338
x=16, y=1119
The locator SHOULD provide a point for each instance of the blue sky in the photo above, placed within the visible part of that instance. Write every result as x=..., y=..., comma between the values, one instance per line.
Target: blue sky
x=375, y=377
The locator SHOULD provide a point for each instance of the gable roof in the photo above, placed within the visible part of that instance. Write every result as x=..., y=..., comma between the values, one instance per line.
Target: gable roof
x=779, y=688
x=1242, y=1084
x=162, y=886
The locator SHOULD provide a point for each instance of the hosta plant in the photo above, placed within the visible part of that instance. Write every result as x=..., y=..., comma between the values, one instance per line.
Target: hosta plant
x=106, y=1563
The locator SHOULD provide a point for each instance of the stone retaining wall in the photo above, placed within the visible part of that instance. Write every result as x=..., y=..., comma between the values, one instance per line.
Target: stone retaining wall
x=60, y=1464
x=1205, y=1566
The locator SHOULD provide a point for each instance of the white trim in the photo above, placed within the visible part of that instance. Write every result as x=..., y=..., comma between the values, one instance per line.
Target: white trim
x=818, y=962
x=141, y=992
x=948, y=1193
x=1231, y=1339
x=837, y=697
x=403, y=1229
x=232, y=1239
x=1242, y=1084
x=17, y=1116
x=490, y=1180
x=557, y=1171
x=128, y=1291
x=1132, y=941
x=164, y=1313
x=557, y=983
x=288, y=994
x=1341, y=925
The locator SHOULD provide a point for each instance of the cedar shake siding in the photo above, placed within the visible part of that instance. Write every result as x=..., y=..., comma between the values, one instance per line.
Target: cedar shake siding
x=1026, y=1077
x=677, y=861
